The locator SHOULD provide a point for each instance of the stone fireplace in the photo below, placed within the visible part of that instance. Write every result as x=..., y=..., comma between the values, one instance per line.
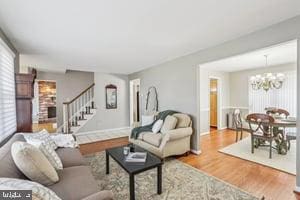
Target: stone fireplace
x=47, y=101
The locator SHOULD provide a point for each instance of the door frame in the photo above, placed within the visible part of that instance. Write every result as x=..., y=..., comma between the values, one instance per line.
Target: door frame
x=219, y=101
x=131, y=106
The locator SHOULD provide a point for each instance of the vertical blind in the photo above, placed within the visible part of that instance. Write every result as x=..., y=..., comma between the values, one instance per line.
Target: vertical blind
x=8, y=123
x=285, y=97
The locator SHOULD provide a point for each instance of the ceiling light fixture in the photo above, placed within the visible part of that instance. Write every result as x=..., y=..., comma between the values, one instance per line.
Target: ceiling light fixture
x=267, y=81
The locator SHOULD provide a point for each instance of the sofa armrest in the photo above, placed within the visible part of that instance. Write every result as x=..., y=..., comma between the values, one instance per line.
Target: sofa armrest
x=102, y=195
x=179, y=133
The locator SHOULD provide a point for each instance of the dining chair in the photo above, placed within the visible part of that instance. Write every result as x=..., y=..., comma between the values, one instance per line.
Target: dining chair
x=277, y=111
x=281, y=112
x=237, y=123
x=261, y=130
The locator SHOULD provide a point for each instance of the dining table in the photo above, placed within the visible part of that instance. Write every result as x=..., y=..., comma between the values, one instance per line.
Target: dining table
x=279, y=129
x=279, y=126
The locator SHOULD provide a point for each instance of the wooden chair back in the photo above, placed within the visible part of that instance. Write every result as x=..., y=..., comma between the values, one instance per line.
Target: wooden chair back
x=278, y=111
x=259, y=122
x=237, y=119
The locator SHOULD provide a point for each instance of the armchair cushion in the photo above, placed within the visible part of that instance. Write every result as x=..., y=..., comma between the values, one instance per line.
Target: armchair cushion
x=179, y=133
x=152, y=138
x=169, y=123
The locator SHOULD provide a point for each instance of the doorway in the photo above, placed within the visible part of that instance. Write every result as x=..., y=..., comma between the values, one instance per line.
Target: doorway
x=44, y=106
x=134, y=102
x=213, y=101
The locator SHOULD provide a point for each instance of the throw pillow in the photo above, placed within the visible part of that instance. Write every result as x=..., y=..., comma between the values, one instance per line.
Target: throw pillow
x=48, y=151
x=183, y=120
x=32, y=162
x=43, y=136
x=147, y=119
x=169, y=124
x=157, y=126
x=39, y=192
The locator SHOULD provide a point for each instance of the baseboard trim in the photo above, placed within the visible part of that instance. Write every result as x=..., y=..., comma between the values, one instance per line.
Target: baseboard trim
x=205, y=133
x=102, y=130
x=223, y=128
x=297, y=189
x=197, y=152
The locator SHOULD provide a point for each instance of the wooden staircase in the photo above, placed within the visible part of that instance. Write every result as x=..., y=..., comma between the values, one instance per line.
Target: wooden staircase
x=79, y=110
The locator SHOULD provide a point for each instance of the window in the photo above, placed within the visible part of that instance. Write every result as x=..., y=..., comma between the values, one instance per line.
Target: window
x=285, y=97
x=8, y=123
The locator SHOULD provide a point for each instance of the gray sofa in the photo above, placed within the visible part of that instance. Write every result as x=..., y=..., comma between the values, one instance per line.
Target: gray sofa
x=75, y=180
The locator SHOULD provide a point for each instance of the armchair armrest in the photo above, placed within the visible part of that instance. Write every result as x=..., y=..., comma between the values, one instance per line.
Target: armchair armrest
x=174, y=135
x=102, y=195
x=179, y=133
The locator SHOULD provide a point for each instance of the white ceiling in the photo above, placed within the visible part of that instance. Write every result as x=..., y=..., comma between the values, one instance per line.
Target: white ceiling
x=126, y=36
x=277, y=55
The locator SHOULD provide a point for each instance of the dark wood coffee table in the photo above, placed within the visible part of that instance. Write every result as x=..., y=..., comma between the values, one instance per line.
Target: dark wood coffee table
x=135, y=168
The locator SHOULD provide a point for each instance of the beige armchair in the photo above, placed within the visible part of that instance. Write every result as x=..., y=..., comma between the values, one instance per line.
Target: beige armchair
x=173, y=142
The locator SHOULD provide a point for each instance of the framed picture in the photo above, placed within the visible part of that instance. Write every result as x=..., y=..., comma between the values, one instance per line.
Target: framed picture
x=111, y=96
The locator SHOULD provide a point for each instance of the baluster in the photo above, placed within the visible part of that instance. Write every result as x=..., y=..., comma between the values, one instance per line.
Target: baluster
x=93, y=104
x=72, y=114
x=68, y=117
x=79, y=101
x=89, y=100
x=65, y=117
x=88, y=96
x=82, y=107
x=75, y=114
x=85, y=104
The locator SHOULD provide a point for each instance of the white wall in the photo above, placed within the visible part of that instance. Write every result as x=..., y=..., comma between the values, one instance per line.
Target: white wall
x=109, y=118
x=223, y=97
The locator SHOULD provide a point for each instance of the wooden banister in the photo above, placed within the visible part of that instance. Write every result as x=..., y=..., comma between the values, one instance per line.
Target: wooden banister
x=79, y=95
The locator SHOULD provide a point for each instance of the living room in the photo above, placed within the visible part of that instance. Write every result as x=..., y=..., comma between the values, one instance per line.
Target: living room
x=127, y=82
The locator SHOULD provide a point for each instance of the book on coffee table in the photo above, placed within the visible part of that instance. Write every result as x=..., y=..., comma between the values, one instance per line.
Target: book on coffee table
x=138, y=157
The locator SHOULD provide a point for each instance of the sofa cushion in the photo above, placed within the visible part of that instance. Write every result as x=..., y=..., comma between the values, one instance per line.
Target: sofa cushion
x=39, y=192
x=152, y=138
x=8, y=167
x=33, y=163
x=183, y=120
x=43, y=136
x=48, y=151
x=70, y=157
x=169, y=124
x=75, y=183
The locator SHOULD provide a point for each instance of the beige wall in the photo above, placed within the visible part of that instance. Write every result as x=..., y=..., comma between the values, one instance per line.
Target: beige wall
x=68, y=86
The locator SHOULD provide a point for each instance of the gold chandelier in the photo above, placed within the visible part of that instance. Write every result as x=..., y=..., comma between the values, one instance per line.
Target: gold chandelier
x=267, y=81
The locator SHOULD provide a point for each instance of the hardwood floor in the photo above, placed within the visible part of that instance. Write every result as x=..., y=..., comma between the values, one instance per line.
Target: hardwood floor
x=102, y=145
x=48, y=126
x=251, y=177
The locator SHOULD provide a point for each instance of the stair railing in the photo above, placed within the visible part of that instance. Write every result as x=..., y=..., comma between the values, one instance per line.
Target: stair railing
x=76, y=109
